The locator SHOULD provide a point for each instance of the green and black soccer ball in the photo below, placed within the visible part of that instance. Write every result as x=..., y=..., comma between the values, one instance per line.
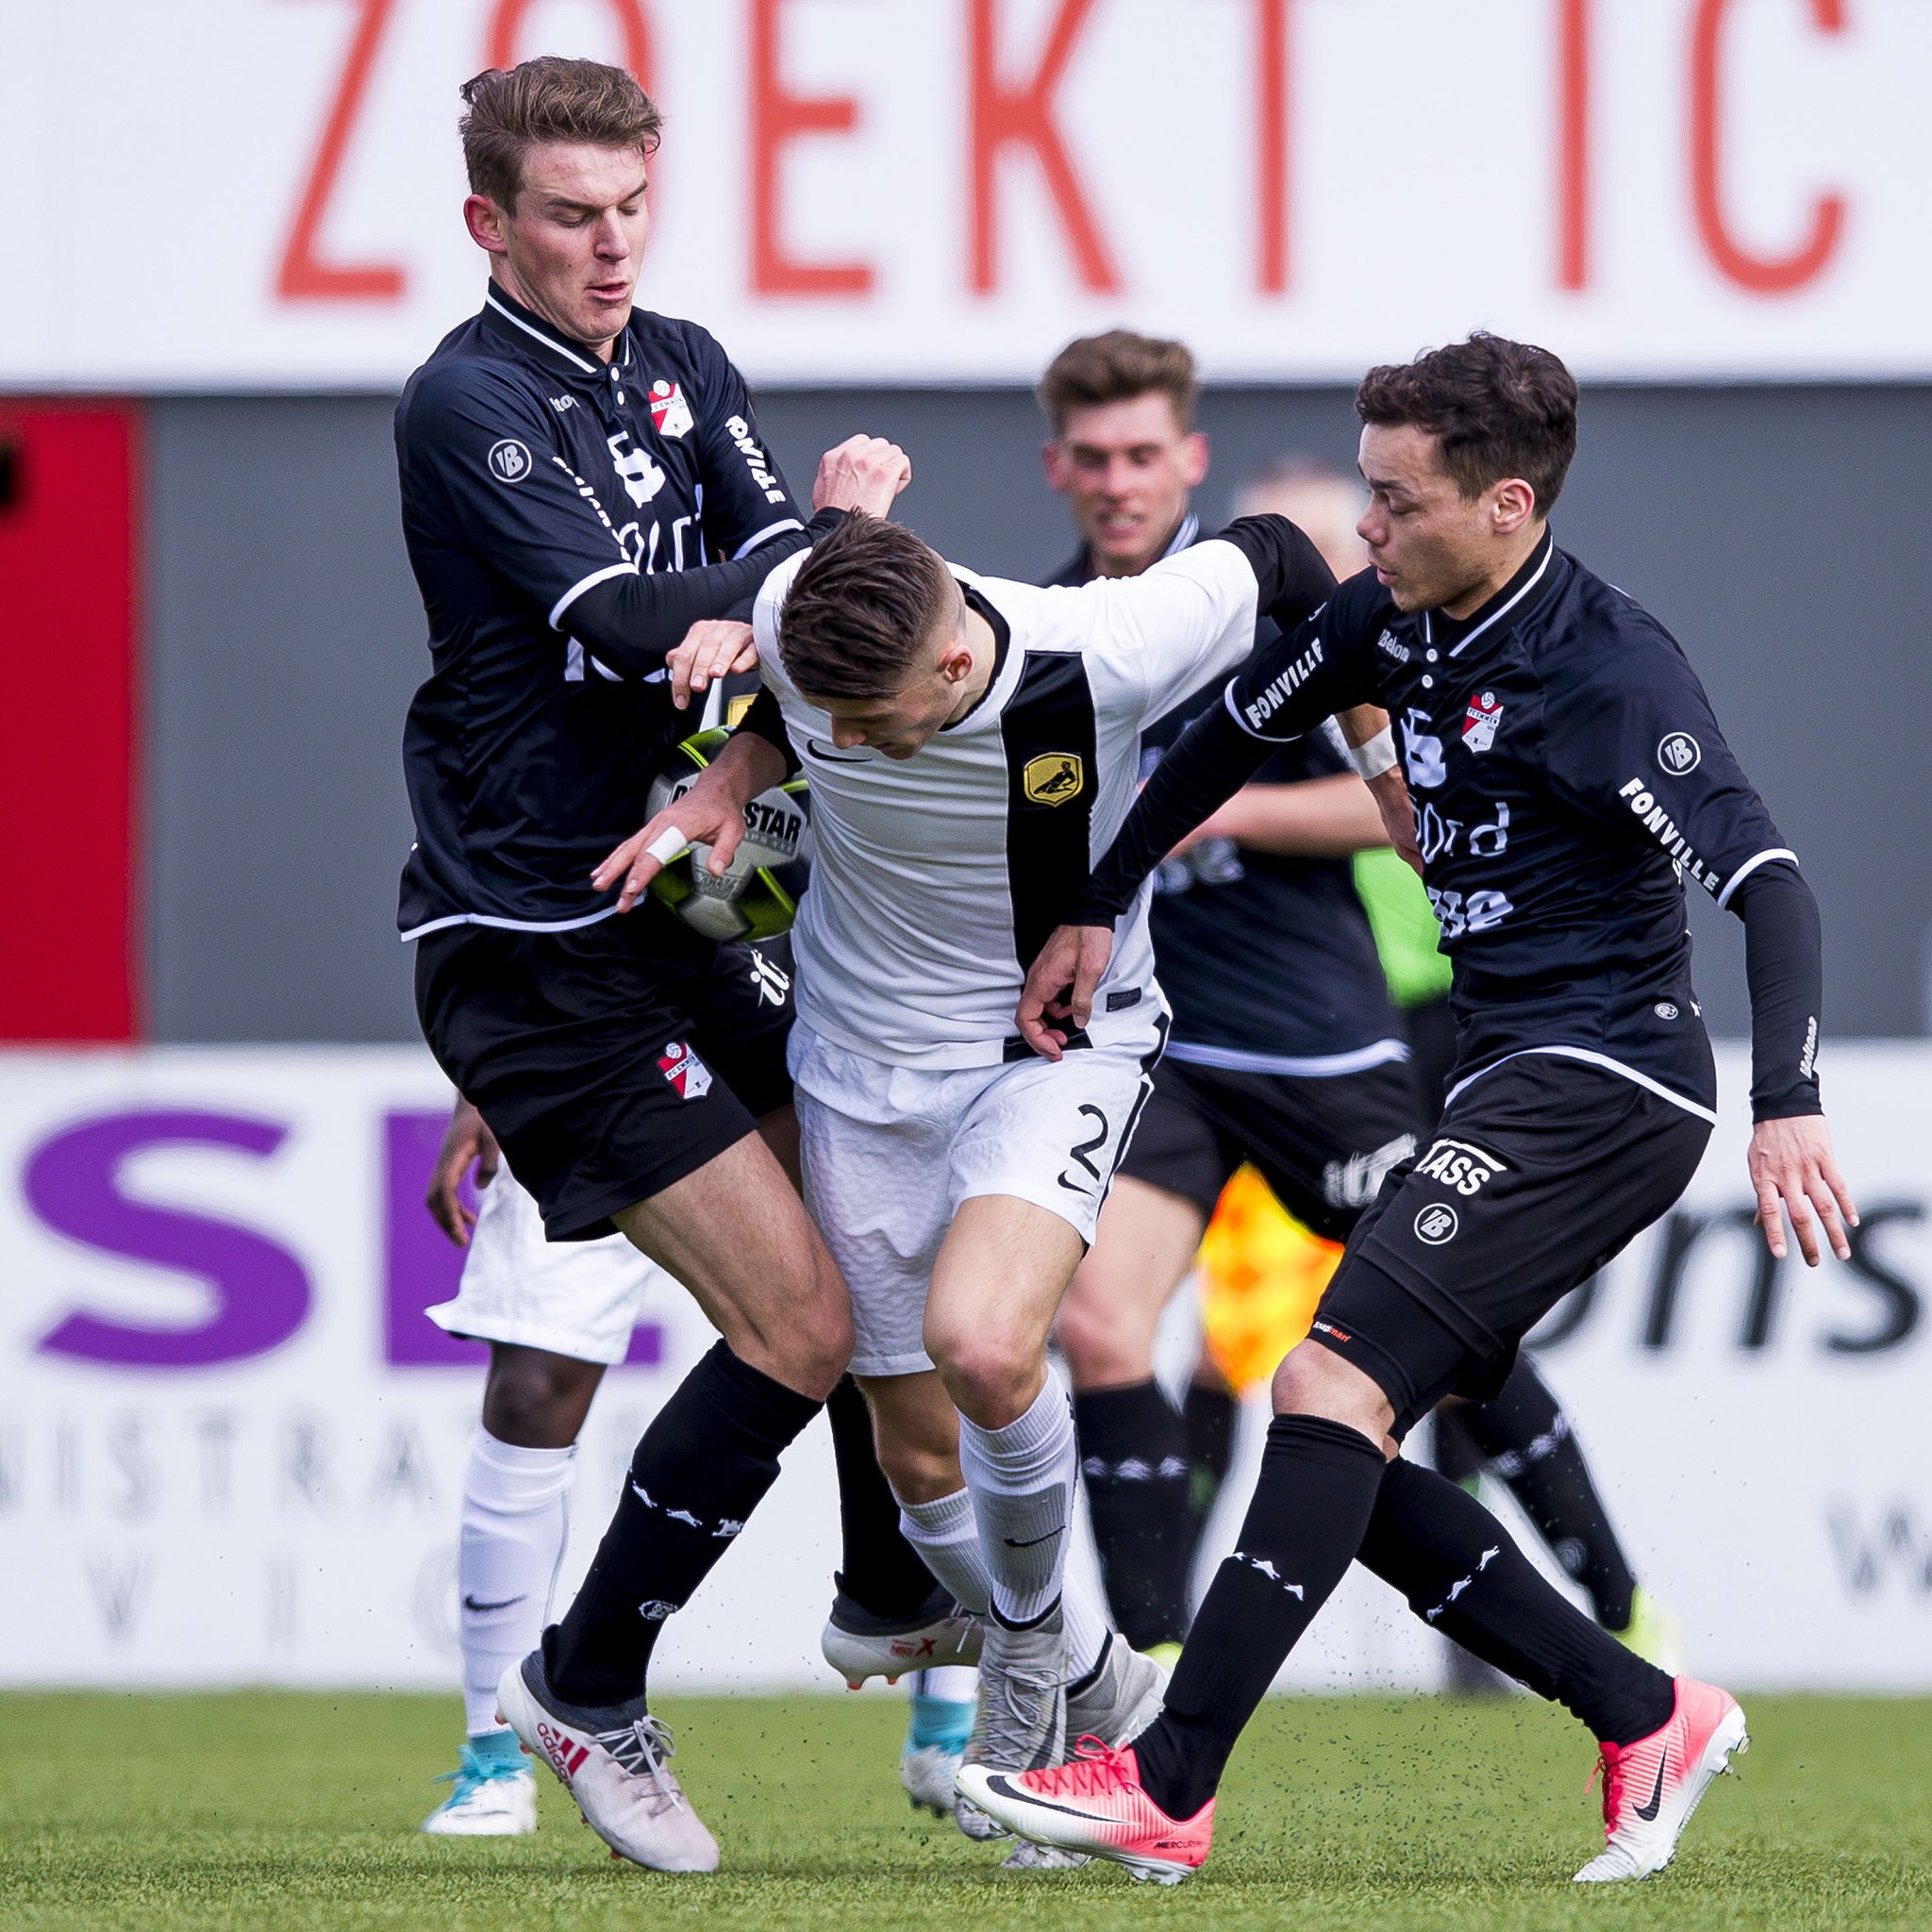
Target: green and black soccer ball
x=756, y=896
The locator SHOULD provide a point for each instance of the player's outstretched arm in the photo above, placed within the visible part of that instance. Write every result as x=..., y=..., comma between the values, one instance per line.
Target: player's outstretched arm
x=1792, y=1169
x=710, y=814
x=465, y=1139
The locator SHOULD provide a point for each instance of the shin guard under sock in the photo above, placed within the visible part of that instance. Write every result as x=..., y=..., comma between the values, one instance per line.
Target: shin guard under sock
x=1316, y=1492
x=700, y=1470
x=1464, y=1575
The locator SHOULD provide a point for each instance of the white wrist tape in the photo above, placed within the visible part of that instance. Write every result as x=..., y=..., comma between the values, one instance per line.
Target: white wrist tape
x=1377, y=756
x=667, y=845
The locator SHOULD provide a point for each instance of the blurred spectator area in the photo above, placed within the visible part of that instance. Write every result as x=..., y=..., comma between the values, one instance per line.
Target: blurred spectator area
x=211, y=634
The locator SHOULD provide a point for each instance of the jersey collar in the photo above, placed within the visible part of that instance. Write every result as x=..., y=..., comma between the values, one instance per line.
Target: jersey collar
x=1532, y=578
x=1002, y=650
x=539, y=339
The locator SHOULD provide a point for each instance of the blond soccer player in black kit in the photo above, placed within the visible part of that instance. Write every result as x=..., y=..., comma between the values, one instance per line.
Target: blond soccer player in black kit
x=1568, y=776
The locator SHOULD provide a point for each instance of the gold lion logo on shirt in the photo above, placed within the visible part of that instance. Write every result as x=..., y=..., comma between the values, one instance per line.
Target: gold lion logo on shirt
x=1052, y=777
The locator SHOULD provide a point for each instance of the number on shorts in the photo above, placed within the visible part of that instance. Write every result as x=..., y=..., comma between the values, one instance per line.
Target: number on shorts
x=1081, y=1149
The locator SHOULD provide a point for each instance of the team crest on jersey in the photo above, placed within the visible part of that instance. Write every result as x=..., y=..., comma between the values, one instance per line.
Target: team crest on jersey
x=1480, y=720
x=509, y=460
x=682, y=1066
x=670, y=413
x=1052, y=777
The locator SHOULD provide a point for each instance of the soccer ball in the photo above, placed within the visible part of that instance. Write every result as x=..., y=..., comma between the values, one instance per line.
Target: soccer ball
x=756, y=896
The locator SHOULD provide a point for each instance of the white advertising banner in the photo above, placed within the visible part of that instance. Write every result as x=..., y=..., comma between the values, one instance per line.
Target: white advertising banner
x=266, y=193
x=231, y=1446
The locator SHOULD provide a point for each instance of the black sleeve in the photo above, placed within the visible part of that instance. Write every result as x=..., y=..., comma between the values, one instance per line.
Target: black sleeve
x=630, y=618
x=1291, y=683
x=1783, y=965
x=1294, y=580
x=767, y=720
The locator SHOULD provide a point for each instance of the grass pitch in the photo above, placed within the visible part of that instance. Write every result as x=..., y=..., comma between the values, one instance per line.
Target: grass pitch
x=271, y=1810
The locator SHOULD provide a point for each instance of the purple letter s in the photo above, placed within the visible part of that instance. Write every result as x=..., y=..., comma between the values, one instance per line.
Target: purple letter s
x=261, y=1293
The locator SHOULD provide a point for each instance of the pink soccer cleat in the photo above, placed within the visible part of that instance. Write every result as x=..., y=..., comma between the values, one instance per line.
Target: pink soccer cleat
x=1094, y=1804
x=1652, y=1787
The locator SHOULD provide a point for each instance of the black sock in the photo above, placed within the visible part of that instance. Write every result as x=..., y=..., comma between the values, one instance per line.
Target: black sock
x=1317, y=1486
x=1452, y=1448
x=878, y=1569
x=1133, y=1461
x=1464, y=1575
x=1526, y=1439
x=699, y=1470
x=1208, y=1416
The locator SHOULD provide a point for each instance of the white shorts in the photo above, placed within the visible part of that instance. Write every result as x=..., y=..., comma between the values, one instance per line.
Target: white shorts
x=889, y=1153
x=577, y=1298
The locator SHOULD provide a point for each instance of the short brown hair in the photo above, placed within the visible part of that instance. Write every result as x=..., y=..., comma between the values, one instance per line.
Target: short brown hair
x=864, y=601
x=1115, y=367
x=1498, y=408
x=510, y=111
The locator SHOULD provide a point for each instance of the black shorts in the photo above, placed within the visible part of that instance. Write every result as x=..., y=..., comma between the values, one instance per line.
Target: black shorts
x=610, y=1061
x=1323, y=1145
x=1539, y=1172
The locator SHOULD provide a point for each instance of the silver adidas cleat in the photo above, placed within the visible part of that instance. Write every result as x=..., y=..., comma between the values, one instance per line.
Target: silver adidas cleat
x=615, y=1761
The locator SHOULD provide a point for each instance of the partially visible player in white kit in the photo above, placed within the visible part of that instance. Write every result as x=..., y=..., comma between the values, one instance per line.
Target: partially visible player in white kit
x=970, y=742
x=556, y=1315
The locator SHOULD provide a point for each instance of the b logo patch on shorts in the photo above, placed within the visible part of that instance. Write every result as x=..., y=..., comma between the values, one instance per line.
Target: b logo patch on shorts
x=682, y=1066
x=1436, y=1224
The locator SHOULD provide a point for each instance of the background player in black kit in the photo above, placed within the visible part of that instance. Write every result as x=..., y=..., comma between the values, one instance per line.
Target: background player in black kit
x=1285, y=1050
x=581, y=481
x=1567, y=775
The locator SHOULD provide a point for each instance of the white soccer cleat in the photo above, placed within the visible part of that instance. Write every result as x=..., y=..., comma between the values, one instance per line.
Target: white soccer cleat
x=492, y=1798
x=615, y=1762
x=1652, y=1787
x=859, y=1645
x=927, y=1772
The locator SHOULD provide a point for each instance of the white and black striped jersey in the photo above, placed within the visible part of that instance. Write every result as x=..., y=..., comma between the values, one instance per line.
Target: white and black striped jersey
x=567, y=520
x=938, y=877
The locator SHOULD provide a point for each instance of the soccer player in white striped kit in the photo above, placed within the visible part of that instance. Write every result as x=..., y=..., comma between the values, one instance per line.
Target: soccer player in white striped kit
x=971, y=744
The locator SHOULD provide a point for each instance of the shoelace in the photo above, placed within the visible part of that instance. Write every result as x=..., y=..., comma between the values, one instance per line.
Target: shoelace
x=643, y=1747
x=1096, y=1769
x=472, y=1770
x=1609, y=1767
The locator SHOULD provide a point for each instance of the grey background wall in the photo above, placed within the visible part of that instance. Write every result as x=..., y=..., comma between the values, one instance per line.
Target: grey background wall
x=1779, y=532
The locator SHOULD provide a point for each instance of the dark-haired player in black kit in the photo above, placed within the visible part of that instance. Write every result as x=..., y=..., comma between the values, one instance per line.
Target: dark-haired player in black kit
x=1567, y=776
x=1285, y=1050
x=580, y=482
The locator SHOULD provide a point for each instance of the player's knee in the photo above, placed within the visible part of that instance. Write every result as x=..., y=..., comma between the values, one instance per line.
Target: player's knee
x=1102, y=1347
x=990, y=1371
x=919, y=1469
x=534, y=1400
x=1313, y=1380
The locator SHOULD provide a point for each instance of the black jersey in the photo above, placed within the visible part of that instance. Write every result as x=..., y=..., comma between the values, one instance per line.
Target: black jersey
x=567, y=519
x=1568, y=776
x=1267, y=958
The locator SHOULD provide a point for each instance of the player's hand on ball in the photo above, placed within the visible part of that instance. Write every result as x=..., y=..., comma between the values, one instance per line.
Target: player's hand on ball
x=1398, y=816
x=1057, y=999
x=1791, y=1163
x=864, y=473
x=709, y=813
x=712, y=647
x=466, y=1139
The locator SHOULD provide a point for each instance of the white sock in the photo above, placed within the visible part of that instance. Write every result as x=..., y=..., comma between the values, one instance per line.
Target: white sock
x=1088, y=1628
x=946, y=1535
x=516, y=1520
x=1021, y=1479
x=954, y=1683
